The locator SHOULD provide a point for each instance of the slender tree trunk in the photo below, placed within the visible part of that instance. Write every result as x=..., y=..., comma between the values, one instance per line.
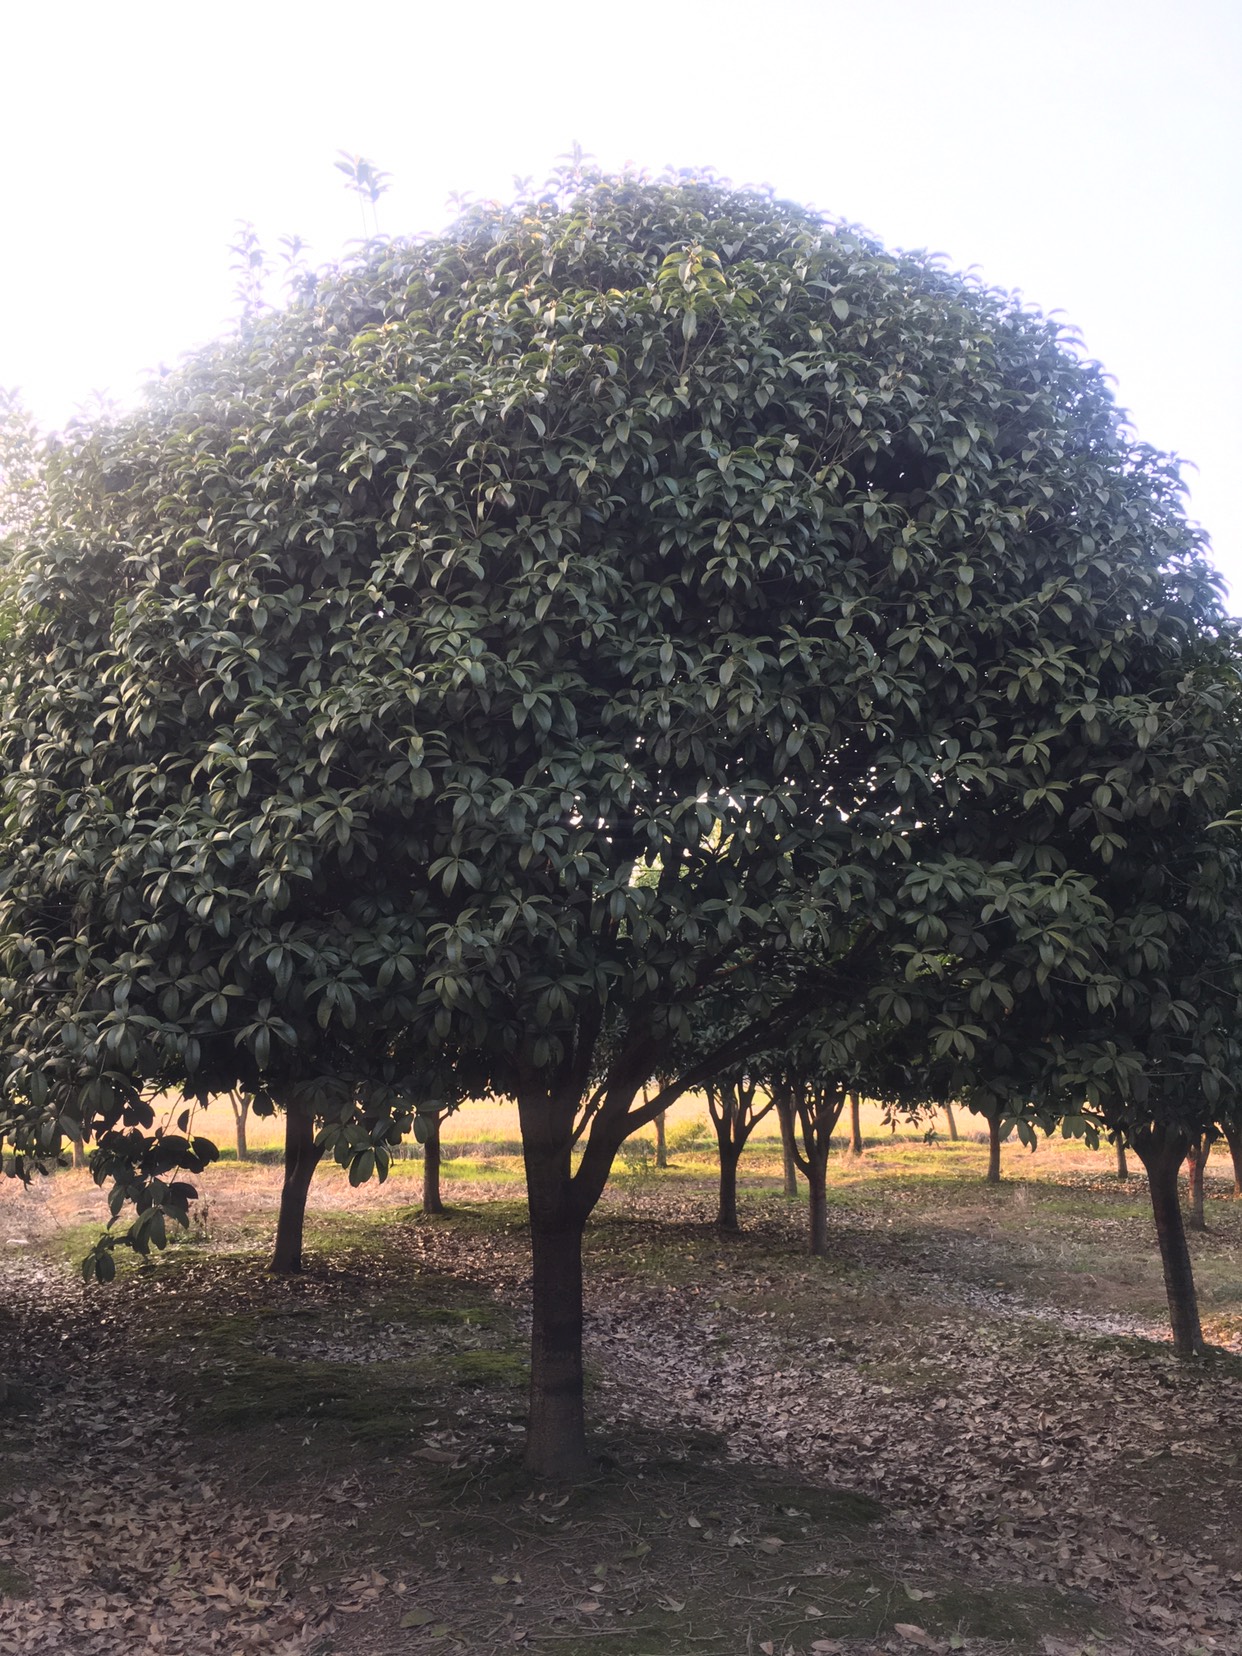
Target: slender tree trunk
x=1123, y=1168
x=661, y=1140
x=1196, y=1162
x=952, y=1123
x=818, y=1204
x=79, y=1150
x=431, y=1172
x=784, y=1114
x=1161, y=1153
x=856, y=1139
x=726, y=1218
x=241, y=1110
x=1233, y=1138
x=994, y=1148
x=301, y=1159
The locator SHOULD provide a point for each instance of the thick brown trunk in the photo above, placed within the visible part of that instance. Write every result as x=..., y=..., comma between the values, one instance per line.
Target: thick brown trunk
x=994, y=1147
x=556, y=1426
x=952, y=1123
x=726, y=1217
x=431, y=1172
x=301, y=1159
x=661, y=1140
x=817, y=1206
x=856, y=1142
x=1161, y=1153
x=1123, y=1168
x=1233, y=1138
x=1196, y=1162
x=784, y=1114
x=79, y=1151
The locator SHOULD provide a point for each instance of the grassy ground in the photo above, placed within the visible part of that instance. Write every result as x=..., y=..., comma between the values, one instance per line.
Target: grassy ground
x=961, y=1431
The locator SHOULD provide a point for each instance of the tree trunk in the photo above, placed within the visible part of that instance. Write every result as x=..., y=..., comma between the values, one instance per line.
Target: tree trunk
x=556, y=1430
x=661, y=1140
x=301, y=1159
x=556, y=1427
x=949, y=1117
x=1233, y=1138
x=856, y=1142
x=1161, y=1153
x=79, y=1151
x=726, y=1218
x=556, y=1424
x=1123, y=1169
x=818, y=1205
x=431, y=1172
x=994, y=1147
x=241, y=1110
x=1196, y=1162
x=784, y=1114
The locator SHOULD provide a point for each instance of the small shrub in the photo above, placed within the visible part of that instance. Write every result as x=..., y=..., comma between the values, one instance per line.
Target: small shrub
x=691, y=1135
x=638, y=1154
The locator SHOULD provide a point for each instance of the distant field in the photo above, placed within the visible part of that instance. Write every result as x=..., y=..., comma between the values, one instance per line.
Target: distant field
x=487, y=1123
x=475, y=1123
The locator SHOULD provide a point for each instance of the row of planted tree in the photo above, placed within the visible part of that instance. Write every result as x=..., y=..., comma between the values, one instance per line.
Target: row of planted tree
x=808, y=1112
x=647, y=635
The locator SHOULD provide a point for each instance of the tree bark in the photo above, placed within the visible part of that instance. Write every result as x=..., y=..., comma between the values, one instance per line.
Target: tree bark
x=1123, y=1168
x=1162, y=1151
x=79, y=1151
x=994, y=1149
x=952, y=1122
x=1233, y=1138
x=301, y=1159
x=1196, y=1163
x=432, y=1202
x=817, y=1180
x=661, y=1140
x=556, y=1429
x=784, y=1114
x=726, y=1217
x=856, y=1139
x=556, y=1424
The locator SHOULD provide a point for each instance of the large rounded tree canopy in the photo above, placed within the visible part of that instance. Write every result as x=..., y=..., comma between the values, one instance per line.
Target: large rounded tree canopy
x=646, y=582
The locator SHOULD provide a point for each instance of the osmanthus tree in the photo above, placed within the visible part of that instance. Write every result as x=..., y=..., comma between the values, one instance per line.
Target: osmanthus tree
x=737, y=1103
x=1166, y=1070
x=1151, y=1053
x=847, y=1050
x=640, y=525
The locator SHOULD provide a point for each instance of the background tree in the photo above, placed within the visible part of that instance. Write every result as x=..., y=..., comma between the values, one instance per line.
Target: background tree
x=736, y=1106
x=789, y=1156
x=856, y=1138
x=239, y=1104
x=815, y=1102
x=1233, y=1138
x=1196, y=1166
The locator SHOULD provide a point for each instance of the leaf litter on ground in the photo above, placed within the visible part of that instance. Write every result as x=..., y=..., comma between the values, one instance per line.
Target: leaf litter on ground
x=1012, y=1442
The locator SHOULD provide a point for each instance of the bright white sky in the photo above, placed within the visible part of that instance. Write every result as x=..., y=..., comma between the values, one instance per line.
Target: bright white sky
x=1086, y=152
